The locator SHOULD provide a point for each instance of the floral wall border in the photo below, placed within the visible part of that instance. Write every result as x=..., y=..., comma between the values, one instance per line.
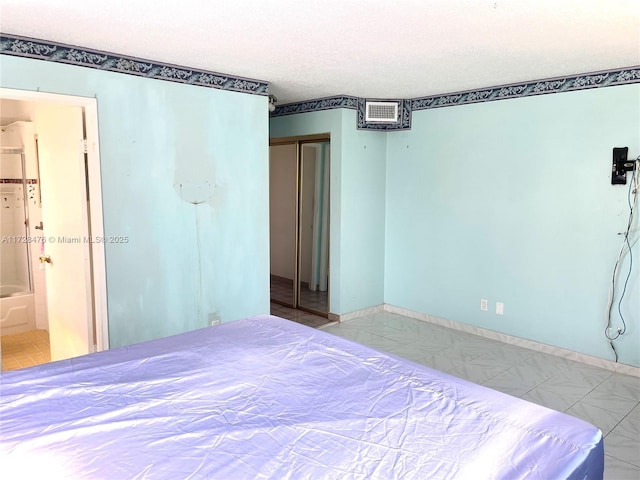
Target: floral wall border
x=56, y=52
x=327, y=103
x=352, y=103
x=404, y=109
x=607, y=78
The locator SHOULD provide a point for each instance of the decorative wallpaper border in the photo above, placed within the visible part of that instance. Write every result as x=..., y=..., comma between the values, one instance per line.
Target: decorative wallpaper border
x=404, y=107
x=60, y=53
x=56, y=52
x=352, y=103
x=607, y=78
x=327, y=103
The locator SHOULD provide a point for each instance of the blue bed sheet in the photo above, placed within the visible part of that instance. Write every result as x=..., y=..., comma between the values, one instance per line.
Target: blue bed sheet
x=265, y=398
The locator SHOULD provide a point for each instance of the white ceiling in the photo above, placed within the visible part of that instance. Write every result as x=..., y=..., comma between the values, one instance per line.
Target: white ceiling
x=368, y=48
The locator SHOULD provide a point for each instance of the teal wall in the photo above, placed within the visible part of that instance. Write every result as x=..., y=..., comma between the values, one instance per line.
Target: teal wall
x=356, y=268
x=511, y=201
x=183, y=261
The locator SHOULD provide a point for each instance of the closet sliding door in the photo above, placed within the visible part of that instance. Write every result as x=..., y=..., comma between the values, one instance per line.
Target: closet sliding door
x=283, y=224
x=313, y=248
x=299, y=223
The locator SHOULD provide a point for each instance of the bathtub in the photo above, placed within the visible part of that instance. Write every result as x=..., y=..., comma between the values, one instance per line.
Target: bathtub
x=17, y=309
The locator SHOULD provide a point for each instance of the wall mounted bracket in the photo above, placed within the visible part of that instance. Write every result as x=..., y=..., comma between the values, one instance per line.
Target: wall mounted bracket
x=620, y=166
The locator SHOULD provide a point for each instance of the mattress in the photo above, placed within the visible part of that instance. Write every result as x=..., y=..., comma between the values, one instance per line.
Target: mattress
x=266, y=398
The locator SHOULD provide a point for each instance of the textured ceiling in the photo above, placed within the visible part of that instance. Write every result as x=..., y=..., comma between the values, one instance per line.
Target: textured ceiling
x=367, y=48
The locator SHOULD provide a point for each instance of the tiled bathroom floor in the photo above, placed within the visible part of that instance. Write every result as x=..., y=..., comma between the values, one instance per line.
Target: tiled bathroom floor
x=610, y=401
x=21, y=350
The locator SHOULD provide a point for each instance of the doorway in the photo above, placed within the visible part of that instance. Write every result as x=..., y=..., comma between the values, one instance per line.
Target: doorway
x=299, y=222
x=63, y=297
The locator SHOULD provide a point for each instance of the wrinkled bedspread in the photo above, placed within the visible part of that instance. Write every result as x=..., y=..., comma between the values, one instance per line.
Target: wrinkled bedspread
x=267, y=398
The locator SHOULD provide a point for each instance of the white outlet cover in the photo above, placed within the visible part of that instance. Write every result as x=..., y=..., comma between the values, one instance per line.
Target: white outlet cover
x=484, y=305
x=500, y=308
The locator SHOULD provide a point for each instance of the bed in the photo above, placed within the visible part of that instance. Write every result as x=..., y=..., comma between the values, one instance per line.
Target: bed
x=266, y=398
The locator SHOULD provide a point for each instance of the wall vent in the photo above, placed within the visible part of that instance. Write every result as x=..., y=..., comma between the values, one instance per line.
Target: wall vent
x=381, y=112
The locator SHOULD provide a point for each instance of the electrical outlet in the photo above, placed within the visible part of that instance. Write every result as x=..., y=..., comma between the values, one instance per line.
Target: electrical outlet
x=214, y=318
x=499, y=308
x=484, y=305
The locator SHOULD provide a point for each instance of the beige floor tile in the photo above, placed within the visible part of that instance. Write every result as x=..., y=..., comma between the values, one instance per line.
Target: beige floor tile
x=26, y=349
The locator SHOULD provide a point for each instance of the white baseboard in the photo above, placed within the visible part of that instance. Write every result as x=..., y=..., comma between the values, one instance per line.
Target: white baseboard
x=357, y=314
x=502, y=337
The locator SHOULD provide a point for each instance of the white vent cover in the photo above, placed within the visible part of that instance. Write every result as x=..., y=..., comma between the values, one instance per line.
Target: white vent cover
x=381, y=112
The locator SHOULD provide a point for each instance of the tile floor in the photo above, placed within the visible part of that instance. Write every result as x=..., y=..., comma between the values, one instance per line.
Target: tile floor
x=27, y=349
x=282, y=290
x=299, y=316
x=608, y=400
x=317, y=301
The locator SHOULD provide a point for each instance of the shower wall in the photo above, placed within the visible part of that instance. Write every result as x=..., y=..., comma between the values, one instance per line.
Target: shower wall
x=13, y=255
x=21, y=134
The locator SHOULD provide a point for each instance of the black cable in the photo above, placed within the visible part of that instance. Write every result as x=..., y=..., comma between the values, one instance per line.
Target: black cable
x=632, y=194
x=614, y=349
x=626, y=239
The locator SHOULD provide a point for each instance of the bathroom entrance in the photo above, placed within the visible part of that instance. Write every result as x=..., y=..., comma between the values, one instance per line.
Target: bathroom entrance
x=56, y=202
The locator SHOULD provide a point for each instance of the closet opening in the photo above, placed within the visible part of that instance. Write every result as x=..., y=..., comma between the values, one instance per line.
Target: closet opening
x=299, y=222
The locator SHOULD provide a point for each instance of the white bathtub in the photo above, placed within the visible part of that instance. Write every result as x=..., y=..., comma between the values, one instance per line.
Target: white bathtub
x=17, y=309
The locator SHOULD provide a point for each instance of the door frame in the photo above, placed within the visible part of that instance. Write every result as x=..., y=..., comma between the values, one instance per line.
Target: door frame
x=97, y=274
x=299, y=141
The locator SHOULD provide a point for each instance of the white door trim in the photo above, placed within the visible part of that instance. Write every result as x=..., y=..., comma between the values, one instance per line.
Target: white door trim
x=90, y=106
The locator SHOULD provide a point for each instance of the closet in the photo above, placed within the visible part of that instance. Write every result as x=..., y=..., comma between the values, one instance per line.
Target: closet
x=299, y=222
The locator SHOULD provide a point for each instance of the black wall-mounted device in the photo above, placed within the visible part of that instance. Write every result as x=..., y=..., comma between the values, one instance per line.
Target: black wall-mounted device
x=620, y=166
